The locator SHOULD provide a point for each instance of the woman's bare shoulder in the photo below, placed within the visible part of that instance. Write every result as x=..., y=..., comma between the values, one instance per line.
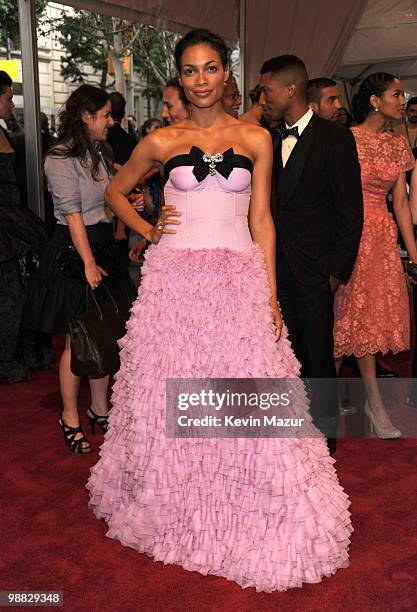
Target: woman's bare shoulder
x=257, y=131
x=158, y=143
x=250, y=130
x=255, y=137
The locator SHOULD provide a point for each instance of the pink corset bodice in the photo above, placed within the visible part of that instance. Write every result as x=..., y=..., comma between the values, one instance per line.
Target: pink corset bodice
x=212, y=193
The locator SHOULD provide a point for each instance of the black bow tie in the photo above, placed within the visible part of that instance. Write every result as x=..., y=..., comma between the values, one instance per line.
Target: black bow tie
x=285, y=132
x=205, y=164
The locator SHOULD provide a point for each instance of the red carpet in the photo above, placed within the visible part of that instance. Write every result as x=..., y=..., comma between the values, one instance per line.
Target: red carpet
x=50, y=540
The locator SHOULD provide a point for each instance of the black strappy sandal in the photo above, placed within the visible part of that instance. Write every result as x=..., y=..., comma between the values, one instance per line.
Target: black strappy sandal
x=75, y=446
x=96, y=419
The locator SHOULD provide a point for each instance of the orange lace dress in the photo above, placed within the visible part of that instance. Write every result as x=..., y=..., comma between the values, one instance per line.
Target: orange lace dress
x=371, y=309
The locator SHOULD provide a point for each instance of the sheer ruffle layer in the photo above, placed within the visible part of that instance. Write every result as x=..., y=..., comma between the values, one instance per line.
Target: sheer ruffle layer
x=267, y=513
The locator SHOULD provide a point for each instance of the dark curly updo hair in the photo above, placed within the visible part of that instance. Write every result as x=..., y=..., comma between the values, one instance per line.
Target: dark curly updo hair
x=73, y=135
x=374, y=85
x=201, y=37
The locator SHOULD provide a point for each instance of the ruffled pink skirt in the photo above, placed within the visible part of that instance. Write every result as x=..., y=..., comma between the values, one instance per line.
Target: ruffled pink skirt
x=266, y=513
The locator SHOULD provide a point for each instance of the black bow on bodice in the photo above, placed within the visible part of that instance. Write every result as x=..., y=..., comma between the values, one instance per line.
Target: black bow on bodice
x=205, y=164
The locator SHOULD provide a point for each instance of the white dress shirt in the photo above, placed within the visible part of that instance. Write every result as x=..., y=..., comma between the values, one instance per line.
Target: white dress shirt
x=289, y=143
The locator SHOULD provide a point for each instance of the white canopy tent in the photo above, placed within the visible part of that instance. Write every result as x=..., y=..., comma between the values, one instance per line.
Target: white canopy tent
x=384, y=40
x=316, y=30
x=353, y=38
x=347, y=37
x=221, y=16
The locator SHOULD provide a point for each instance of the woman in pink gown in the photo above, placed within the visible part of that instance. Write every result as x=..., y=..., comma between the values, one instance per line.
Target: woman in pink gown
x=267, y=513
x=371, y=310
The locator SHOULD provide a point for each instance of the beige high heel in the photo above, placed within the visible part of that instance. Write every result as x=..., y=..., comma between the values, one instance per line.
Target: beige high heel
x=385, y=433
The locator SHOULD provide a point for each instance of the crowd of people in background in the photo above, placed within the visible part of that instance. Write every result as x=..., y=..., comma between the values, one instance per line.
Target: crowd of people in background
x=119, y=139
x=331, y=287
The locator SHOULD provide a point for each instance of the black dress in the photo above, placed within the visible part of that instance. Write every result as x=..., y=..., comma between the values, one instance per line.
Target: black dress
x=22, y=235
x=59, y=291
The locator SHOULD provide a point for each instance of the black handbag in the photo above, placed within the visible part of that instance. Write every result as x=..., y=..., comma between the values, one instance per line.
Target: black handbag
x=94, y=336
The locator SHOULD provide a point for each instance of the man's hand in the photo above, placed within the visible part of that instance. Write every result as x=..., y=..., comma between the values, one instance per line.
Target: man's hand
x=334, y=283
x=120, y=233
x=137, y=200
x=410, y=281
x=135, y=252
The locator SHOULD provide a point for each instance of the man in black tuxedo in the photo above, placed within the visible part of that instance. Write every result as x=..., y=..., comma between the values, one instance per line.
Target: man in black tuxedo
x=120, y=141
x=318, y=212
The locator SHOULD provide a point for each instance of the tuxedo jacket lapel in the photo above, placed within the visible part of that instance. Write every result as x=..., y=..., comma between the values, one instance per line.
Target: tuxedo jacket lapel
x=289, y=176
x=276, y=172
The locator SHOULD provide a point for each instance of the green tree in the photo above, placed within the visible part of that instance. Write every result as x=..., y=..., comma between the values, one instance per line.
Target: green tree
x=91, y=39
x=154, y=58
x=78, y=34
x=9, y=22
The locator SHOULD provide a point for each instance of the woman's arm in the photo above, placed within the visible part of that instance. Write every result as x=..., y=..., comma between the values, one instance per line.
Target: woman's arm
x=93, y=272
x=413, y=194
x=260, y=219
x=146, y=154
x=403, y=216
x=151, y=173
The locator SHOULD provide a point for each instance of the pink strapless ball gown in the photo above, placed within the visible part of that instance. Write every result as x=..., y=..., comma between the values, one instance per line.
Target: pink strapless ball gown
x=266, y=513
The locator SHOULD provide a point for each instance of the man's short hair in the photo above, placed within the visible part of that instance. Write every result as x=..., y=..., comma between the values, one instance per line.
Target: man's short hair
x=255, y=94
x=290, y=64
x=175, y=84
x=118, y=106
x=411, y=101
x=315, y=88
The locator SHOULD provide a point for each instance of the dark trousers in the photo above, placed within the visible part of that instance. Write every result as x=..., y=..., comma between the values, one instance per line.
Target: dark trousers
x=307, y=312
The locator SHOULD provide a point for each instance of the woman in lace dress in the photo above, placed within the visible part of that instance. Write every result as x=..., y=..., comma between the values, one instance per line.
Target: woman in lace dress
x=371, y=310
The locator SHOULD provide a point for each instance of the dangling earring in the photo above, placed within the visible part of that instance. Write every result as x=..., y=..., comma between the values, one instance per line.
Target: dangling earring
x=376, y=110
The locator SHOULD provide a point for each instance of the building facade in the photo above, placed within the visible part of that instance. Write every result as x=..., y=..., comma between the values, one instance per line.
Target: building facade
x=54, y=90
